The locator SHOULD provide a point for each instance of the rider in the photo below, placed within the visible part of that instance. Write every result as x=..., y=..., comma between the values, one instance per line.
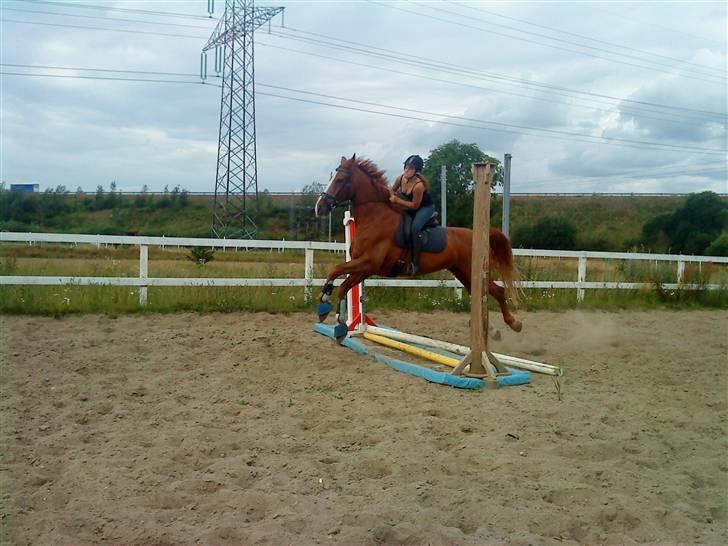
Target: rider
x=411, y=191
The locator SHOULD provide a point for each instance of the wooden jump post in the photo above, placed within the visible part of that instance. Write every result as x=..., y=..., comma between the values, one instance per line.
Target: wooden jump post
x=478, y=358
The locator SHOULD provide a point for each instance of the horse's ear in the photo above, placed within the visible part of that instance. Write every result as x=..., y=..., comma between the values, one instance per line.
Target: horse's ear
x=353, y=158
x=343, y=159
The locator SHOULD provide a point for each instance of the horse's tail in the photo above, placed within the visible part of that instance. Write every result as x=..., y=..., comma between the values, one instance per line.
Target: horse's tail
x=501, y=255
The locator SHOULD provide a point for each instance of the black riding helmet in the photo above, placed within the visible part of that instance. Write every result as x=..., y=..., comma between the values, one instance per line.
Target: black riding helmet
x=414, y=161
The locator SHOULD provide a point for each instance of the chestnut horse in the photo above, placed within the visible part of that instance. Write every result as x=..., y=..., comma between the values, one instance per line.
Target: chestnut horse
x=374, y=251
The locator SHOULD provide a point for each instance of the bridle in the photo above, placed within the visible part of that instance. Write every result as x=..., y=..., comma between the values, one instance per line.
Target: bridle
x=331, y=200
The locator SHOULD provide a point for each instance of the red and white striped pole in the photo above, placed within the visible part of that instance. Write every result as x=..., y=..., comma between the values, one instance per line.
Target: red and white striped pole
x=357, y=317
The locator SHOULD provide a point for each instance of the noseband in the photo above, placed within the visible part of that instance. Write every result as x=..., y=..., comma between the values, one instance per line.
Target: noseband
x=331, y=200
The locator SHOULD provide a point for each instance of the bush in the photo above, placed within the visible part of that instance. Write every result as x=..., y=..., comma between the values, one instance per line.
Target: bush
x=719, y=247
x=691, y=228
x=201, y=255
x=549, y=233
x=599, y=240
x=163, y=203
x=654, y=229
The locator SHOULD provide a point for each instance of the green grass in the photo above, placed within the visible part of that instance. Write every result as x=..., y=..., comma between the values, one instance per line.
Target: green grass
x=59, y=300
x=89, y=260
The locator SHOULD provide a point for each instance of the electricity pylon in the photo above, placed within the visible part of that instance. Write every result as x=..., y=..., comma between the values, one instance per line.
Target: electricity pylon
x=235, y=210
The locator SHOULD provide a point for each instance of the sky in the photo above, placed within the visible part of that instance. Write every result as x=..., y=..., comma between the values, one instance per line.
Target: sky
x=587, y=97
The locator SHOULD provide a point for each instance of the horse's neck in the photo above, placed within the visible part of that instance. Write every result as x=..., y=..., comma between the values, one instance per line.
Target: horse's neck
x=367, y=215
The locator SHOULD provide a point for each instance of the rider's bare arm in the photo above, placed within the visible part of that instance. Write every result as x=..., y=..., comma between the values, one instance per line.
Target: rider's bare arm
x=397, y=183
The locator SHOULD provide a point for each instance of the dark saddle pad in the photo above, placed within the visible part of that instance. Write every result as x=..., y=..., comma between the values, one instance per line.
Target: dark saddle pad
x=433, y=234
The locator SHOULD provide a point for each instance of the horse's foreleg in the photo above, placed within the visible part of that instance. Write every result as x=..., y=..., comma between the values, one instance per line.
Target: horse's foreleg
x=350, y=282
x=358, y=266
x=499, y=293
x=342, y=328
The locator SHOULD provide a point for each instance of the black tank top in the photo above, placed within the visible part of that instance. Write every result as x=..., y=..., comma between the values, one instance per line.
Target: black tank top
x=426, y=197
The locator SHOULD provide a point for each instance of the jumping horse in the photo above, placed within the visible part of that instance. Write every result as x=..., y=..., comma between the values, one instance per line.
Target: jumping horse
x=375, y=252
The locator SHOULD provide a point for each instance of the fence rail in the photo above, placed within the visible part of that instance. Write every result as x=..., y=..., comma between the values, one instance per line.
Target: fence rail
x=143, y=281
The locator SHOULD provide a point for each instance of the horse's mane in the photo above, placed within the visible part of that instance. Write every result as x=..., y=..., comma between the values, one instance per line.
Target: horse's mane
x=374, y=172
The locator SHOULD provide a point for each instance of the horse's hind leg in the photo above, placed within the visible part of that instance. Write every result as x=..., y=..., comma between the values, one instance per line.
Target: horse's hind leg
x=498, y=292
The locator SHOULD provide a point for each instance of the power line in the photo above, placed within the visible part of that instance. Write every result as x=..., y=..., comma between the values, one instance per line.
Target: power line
x=84, y=27
x=641, y=23
x=97, y=17
x=566, y=32
x=466, y=70
x=504, y=127
x=561, y=40
x=625, y=110
x=179, y=35
x=150, y=72
x=156, y=73
x=499, y=124
x=441, y=68
x=402, y=116
x=81, y=77
x=113, y=8
x=491, y=31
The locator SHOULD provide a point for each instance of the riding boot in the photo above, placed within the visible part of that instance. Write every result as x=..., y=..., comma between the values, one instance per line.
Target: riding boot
x=416, y=249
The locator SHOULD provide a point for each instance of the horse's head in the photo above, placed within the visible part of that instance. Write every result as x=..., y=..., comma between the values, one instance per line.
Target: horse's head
x=341, y=188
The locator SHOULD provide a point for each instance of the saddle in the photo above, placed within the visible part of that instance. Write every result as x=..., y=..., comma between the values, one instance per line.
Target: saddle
x=434, y=236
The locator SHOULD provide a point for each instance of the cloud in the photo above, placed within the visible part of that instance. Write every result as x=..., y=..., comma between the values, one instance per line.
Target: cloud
x=88, y=132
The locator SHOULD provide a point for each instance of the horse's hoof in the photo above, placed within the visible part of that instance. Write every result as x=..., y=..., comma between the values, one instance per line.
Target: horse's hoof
x=323, y=310
x=516, y=325
x=340, y=332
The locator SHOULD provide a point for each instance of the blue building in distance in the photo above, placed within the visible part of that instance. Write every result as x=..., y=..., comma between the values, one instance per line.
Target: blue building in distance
x=25, y=188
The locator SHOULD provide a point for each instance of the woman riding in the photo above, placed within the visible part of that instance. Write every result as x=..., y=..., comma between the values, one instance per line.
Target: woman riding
x=411, y=191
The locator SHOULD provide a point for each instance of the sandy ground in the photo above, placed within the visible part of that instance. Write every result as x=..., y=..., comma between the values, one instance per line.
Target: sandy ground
x=250, y=428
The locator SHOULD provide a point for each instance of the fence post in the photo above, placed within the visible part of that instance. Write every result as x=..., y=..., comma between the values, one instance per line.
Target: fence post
x=308, y=275
x=458, y=294
x=581, y=278
x=143, y=272
x=680, y=271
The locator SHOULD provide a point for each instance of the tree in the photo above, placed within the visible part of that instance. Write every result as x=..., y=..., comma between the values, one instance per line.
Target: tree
x=141, y=200
x=700, y=220
x=99, y=203
x=310, y=193
x=693, y=227
x=549, y=233
x=458, y=159
x=719, y=247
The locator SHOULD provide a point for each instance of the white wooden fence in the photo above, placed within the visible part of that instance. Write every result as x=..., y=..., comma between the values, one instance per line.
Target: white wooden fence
x=143, y=281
